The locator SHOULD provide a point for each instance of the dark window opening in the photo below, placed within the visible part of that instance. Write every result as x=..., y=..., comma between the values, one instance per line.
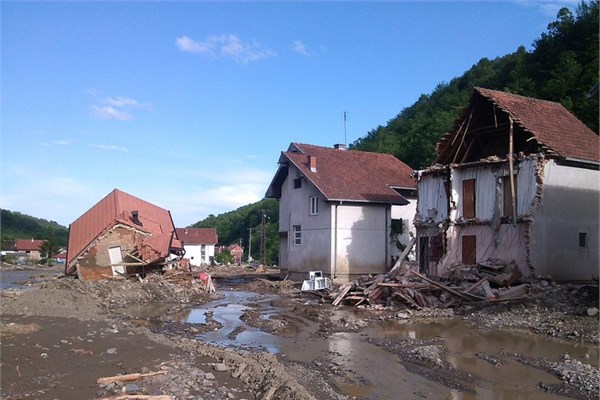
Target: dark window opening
x=297, y=183
x=507, y=207
x=582, y=239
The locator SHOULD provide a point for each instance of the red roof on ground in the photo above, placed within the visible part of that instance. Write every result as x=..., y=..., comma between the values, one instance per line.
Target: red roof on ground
x=28, y=244
x=197, y=235
x=551, y=124
x=115, y=208
x=348, y=175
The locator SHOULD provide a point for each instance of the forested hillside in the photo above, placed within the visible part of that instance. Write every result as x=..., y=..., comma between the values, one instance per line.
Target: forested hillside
x=15, y=225
x=234, y=226
x=562, y=67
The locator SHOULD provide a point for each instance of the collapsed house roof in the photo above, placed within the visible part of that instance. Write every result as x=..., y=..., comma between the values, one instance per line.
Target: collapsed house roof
x=346, y=175
x=121, y=208
x=196, y=236
x=539, y=126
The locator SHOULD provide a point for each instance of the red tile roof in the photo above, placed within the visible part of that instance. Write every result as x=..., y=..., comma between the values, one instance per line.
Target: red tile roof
x=197, y=235
x=115, y=208
x=28, y=244
x=552, y=125
x=347, y=175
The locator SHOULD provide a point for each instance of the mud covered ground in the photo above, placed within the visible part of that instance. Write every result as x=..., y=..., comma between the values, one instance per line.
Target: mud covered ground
x=61, y=335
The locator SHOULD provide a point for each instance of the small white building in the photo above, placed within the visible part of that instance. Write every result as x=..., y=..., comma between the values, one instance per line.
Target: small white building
x=199, y=244
x=343, y=212
x=516, y=180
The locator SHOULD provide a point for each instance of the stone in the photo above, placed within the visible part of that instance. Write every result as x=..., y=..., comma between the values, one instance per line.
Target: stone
x=220, y=367
x=592, y=311
x=131, y=388
x=112, y=350
x=209, y=376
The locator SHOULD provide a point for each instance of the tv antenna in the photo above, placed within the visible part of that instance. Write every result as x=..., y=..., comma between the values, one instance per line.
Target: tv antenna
x=345, y=140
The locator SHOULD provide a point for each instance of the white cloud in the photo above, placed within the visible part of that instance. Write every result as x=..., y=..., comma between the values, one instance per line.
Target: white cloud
x=57, y=143
x=117, y=108
x=111, y=147
x=108, y=112
x=299, y=47
x=226, y=46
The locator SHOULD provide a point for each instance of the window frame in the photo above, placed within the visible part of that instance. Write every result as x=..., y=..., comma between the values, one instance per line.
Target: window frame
x=297, y=235
x=314, y=205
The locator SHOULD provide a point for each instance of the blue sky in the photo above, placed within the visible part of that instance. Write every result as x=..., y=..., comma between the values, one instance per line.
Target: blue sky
x=189, y=104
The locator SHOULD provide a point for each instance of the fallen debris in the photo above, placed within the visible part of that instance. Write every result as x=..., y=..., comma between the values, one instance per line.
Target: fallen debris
x=404, y=286
x=126, y=378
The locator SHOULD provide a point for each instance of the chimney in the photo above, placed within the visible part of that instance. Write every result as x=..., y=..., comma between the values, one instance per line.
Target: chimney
x=312, y=163
x=339, y=146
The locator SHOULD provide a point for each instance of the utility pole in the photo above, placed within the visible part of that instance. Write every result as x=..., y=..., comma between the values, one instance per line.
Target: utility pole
x=263, y=237
x=250, y=246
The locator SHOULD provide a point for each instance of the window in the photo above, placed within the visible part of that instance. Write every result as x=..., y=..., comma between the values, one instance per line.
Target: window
x=468, y=202
x=297, y=235
x=203, y=252
x=507, y=208
x=582, y=239
x=314, y=205
x=297, y=183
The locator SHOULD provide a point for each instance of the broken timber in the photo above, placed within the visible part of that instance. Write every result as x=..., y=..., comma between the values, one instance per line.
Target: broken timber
x=411, y=289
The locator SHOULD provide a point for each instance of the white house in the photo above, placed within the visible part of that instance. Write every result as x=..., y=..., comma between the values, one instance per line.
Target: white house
x=199, y=244
x=341, y=211
x=515, y=180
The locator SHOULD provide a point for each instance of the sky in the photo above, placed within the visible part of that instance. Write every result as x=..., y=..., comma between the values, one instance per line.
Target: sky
x=188, y=105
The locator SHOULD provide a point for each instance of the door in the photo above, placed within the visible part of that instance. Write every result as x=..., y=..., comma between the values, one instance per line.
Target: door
x=116, y=257
x=424, y=254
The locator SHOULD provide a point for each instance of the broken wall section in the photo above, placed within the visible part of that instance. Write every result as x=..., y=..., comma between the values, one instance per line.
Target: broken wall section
x=480, y=223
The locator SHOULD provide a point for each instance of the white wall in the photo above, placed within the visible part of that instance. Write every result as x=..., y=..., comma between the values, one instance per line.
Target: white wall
x=193, y=252
x=569, y=205
x=294, y=209
x=432, y=199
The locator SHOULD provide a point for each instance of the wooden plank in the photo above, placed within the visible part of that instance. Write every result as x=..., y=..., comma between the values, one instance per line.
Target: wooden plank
x=403, y=255
x=475, y=285
x=446, y=288
x=343, y=293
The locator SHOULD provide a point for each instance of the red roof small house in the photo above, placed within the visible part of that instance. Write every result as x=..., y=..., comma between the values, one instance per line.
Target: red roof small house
x=515, y=182
x=121, y=235
x=31, y=247
x=237, y=252
x=337, y=208
x=199, y=244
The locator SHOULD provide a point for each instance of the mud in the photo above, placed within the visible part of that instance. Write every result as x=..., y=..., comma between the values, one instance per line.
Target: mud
x=259, y=338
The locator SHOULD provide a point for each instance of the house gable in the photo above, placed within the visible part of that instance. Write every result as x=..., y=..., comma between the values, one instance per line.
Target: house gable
x=537, y=126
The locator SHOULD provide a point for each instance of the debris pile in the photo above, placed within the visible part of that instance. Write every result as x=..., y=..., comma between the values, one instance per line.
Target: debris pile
x=404, y=286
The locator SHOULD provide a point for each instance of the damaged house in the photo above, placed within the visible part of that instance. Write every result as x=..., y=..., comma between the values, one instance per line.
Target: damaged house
x=342, y=212
x=121, y=235
x=515, y=182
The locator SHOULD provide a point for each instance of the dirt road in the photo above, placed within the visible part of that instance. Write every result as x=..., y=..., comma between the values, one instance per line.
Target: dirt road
x=62, y=335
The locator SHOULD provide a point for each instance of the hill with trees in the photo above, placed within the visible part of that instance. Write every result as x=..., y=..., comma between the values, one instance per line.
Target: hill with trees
x=234, y=227
x=562, y=67
x=20, y=226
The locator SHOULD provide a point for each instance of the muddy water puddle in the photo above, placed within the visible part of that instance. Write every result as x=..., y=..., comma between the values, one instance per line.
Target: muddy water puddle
x=24, y=278
x=489, y=358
